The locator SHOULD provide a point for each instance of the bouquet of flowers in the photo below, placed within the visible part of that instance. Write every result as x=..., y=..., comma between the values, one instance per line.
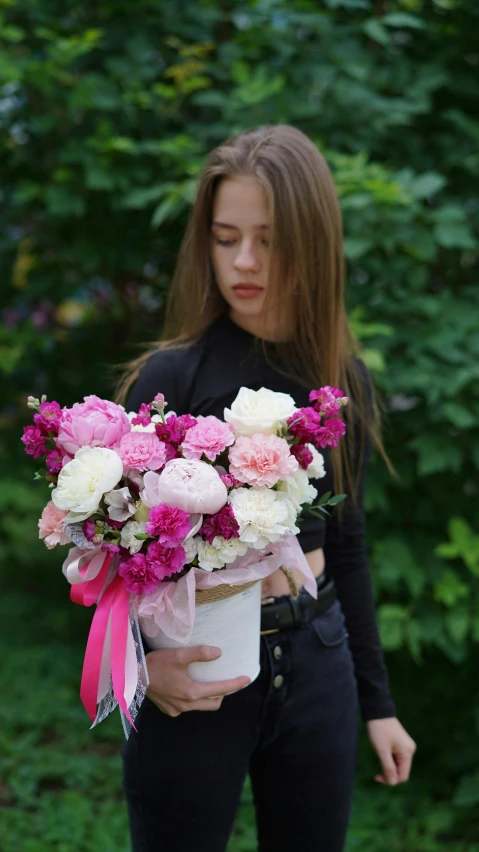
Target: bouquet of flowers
x=162, y=509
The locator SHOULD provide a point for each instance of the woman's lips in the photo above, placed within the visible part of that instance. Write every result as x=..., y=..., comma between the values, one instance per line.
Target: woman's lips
x=247, y=291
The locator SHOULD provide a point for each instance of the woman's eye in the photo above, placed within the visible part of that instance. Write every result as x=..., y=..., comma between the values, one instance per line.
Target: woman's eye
x=224, y=242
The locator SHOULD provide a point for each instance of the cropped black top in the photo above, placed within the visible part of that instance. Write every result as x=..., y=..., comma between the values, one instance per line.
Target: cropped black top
x=204, y=378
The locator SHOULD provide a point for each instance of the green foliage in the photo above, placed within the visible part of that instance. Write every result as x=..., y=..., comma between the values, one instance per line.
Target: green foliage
x=107, y=111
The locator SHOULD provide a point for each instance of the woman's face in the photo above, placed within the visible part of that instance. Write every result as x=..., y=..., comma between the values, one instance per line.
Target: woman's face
x=240, y=249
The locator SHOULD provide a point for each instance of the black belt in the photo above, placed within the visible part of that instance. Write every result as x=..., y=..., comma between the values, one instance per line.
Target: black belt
x=285, y=612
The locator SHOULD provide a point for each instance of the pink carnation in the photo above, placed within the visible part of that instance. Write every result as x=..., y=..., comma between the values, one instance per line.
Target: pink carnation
x=303, y=454
x=329, y=434
x=93, y=423
x=222, y=523
x=261, y=459
x=210, y=437
x=326, y=399
x=141, y=451
x=170, y=524
x=139, y=575
x=304, y=424
x=164, y=560
x=50, y=526
x=35, y=441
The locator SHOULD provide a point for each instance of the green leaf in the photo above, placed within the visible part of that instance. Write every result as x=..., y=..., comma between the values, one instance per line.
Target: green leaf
x=374, y=29
x=458, y=622
x=455, y=235
x=428, y=184
x=449, y=589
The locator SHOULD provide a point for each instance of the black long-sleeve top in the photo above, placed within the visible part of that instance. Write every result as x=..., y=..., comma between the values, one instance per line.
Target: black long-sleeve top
x=204, y=378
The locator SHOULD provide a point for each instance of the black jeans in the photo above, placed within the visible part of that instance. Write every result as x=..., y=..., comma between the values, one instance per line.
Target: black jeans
x=295, y=729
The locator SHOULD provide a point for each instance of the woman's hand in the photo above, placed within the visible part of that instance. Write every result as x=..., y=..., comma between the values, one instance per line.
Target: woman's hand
x=172, y=689
x=394, y=747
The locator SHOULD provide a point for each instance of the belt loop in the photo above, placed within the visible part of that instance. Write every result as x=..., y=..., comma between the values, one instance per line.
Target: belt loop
x=296, y=609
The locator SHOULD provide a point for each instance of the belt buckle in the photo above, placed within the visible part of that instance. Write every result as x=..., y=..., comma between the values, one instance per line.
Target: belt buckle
x=268, y=602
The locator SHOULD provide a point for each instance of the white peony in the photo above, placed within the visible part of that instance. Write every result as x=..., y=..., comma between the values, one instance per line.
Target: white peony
x=229, y=548
x=128, y=539
x=298, y=489
x=263, y=515
x=209, y=556
x=84, y=480
x=263, y=411
x=315, y=470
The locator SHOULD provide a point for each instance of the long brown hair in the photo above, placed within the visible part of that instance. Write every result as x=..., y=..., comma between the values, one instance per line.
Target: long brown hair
x=307, y=236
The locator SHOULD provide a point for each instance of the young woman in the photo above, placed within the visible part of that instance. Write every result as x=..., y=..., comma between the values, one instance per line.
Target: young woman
x=258, y=300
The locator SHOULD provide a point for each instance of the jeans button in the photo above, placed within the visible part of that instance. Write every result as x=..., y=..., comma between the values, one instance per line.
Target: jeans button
x=278, y=681
x=278, y=652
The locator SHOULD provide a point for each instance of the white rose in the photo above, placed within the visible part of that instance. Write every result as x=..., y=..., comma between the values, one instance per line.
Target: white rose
x=128, y=539
x=229, y=548
x=263, y=411
x=298, y=489
x=84, y=480
x=209, y=556
x=315, y=470
x=263, y=515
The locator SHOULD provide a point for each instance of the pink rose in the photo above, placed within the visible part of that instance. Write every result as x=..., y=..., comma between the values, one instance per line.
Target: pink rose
x=141, y=451
x=94, y=423
x=210, y=436
x=261, y=459
x=50, y=526
x=191, y=485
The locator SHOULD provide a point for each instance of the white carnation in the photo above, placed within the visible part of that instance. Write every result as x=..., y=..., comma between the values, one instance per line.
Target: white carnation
x=190, y=546
x=128, y=539
x=229, y=548
x=209, y=556
x=263, y=515
x=298, y=489
x=315, y=470
x=84, y=480
x=263, y=411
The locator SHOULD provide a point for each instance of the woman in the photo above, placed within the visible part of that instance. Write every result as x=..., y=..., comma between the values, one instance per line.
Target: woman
x=258, y=300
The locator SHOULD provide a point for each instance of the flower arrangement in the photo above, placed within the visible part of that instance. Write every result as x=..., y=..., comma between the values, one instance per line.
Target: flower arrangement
x=158, y=505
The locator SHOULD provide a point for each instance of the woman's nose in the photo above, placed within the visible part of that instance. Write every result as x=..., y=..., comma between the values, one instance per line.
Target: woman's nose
x=246, y=258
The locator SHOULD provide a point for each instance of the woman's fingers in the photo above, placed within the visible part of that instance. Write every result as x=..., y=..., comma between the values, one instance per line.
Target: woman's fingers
x=220, y=687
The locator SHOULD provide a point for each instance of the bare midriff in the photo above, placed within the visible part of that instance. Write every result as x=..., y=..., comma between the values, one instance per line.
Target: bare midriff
x=276, y=584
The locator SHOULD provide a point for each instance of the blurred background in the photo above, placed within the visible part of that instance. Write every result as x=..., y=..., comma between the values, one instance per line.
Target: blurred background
x=107, y=110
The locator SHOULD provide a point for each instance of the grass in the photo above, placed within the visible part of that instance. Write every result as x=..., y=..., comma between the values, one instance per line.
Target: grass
x=60, y=787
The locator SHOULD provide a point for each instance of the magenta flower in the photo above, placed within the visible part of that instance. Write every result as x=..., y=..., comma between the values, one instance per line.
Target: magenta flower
x=210, y=436
x=49, y=417
x=303, y=454
x=143, y=417
x=110, y=547
x=231, y=481
x=165, y=561
x=175, y=428
x=141, y=451
x=170, y=524
x=308, y=421
x=94, y=423
x=34, y=440
x=222, y=523
x=329, y=434
x=138, y=574
x=327, y=400
x=55, y=461
x=88, y=529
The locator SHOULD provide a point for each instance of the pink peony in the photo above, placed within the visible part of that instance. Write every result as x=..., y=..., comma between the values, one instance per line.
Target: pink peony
x=170, y=524
x=141, y=451
x=189, y=484
x=261, y=459
x=94, y=423
x=329, y=434
x=304, y=424
x=222, y=523
x=139, y=575
x=50, y=526
x=34, y=440
x=327, y=400
x=210, y=437
x=49, y=417
x=164, y=560
x=303, y=454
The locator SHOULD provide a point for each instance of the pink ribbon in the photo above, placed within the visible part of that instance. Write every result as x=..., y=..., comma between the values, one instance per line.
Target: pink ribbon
x=110, y=628
x=171, y=608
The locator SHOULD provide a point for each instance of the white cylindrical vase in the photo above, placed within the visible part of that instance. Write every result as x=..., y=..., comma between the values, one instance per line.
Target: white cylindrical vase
x=231, y=623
